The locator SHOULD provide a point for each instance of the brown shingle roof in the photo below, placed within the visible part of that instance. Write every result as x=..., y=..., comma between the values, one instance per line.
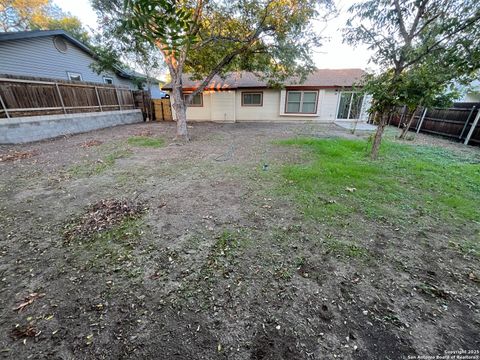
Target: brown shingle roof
x=319, y=78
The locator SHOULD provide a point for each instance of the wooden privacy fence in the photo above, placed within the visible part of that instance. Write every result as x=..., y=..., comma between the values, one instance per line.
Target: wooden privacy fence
x=162, y=110
x=460, y=123
x=22, y=96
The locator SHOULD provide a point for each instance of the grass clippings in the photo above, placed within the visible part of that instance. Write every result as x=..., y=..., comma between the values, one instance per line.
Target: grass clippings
x=102, y=216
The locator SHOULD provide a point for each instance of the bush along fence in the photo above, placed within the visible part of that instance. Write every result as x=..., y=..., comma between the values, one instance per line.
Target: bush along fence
x=25, y=96
x=461, y=122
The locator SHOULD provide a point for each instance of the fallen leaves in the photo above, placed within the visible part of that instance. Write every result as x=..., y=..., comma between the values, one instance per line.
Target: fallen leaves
x=21, y=332
x=17, y=155
x=145, y=133
x=101, y=216
x=28, y=300
x=91, y=143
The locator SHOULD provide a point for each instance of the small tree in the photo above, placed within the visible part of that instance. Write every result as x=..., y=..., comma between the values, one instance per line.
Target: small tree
x=411, y=35
x=207, y=38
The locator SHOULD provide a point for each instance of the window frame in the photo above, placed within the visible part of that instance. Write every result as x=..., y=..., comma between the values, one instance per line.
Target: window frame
x=301, y=102
x=252, y=92
x=352, y=92
x=105, y=78
x=72, y=73
x=192, y=104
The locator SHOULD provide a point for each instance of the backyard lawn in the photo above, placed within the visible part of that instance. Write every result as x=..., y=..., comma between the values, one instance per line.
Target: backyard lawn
x=253, y=241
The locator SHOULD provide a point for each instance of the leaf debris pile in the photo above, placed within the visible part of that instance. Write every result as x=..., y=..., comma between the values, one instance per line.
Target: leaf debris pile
x=24, y=332
x=91, y=143
x=101, y=216
x=146, y=133
x=17, y=155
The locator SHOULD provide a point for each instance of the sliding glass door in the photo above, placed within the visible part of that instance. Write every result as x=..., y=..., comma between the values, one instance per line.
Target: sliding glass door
x=350, y=105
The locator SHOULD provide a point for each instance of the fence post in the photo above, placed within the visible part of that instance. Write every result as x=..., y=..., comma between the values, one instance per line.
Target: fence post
x=61, y=98
x=421, y=120
x=4, y=107
x=118, y=99
x=472, y=129
x=404, y=110
x=466, y=122
x=98, y=99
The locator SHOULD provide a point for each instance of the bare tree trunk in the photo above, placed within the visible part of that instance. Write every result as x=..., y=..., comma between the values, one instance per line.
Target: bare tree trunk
x=180, y=112
x=407, y=127
x=377, y=140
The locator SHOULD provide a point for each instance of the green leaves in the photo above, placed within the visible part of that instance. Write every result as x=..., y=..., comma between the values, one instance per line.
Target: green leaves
x=421, y=47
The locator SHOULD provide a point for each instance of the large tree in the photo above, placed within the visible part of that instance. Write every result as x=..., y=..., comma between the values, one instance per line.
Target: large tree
x=21, y=15
x=410, y=38
x=206, y=38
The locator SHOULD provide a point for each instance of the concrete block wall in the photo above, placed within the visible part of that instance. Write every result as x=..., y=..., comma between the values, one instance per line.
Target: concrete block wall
x=27, y=129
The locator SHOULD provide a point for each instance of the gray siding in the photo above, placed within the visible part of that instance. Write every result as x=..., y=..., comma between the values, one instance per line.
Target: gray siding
x=39, y=57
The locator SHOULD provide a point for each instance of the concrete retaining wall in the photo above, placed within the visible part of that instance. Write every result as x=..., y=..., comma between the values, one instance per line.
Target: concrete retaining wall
x=26, y=129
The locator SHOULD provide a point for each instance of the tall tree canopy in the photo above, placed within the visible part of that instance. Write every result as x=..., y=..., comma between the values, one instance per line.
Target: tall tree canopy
x=210, y=37
x=20, y=15
x=415, y=42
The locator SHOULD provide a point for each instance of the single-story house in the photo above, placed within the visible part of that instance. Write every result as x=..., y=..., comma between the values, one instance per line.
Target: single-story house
x=56, y=54
x=327, y=95
x=470, y=93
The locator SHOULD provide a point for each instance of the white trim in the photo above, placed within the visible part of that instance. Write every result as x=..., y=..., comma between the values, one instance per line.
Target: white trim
x=71, y=73
x=283, y=99
x=108, y=78
x=339, y=98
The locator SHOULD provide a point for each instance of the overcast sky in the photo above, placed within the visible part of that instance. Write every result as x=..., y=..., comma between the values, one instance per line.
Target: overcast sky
x=333, y=54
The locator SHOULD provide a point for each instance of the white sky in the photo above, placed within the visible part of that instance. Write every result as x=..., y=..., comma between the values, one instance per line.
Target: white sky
x=333, y=54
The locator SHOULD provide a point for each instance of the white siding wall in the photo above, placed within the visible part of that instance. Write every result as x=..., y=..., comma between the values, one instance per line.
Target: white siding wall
x=328, y=108
x=223, y=106
x=226, y=106
x=39, y=57
x=203, y=113
x=274, y=105
x=268, y=112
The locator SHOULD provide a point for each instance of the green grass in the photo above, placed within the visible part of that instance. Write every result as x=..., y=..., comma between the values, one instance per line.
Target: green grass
x=99, y=166
x=344, y=248
x=109, y=250
x=144, y=141
x=407, y=182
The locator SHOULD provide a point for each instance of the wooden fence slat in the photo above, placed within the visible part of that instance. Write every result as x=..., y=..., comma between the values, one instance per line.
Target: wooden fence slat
x=25, y=96
x=446, y=122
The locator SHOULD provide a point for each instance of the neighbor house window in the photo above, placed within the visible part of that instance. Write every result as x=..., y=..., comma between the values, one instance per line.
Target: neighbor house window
x=301, y=102
x=197, y=100
x=107, y=80
x=252, y=99
x=350, y=105
x=74, y=76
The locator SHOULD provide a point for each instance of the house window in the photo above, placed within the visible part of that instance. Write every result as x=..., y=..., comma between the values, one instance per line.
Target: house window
x=301, y=102
x=252, y=99
x=74, y=76
x=107, y=80
x=197, y=100
x=350, y=105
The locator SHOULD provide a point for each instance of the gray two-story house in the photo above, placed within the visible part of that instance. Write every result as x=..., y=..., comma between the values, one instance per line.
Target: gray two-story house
x=55, y=54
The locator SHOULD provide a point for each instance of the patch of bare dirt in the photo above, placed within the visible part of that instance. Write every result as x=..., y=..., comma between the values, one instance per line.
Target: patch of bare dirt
x=224, y=266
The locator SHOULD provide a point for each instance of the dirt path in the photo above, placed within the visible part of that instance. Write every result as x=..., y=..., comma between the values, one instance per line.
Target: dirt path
x=217, y=268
